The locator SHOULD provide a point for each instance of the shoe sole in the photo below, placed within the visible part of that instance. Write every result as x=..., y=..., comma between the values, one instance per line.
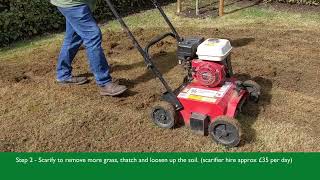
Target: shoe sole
x=115, y=94
x=70, y=83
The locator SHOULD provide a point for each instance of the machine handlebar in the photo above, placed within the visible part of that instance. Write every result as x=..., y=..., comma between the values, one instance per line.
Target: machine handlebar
x=158, y=39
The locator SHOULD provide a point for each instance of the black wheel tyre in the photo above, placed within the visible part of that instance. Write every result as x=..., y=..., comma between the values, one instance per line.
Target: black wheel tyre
x=254, y=89
x=255, y=97
x=163, y=115
x=226, y=131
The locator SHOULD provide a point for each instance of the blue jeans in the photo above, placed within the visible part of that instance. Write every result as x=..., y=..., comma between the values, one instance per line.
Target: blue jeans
x=82, y=28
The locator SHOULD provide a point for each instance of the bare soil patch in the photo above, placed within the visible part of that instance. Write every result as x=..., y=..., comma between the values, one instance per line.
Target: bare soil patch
x=36, y=114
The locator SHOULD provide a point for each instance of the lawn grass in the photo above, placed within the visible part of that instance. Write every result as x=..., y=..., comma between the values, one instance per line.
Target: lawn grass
x=236, y=17
x=277, y=49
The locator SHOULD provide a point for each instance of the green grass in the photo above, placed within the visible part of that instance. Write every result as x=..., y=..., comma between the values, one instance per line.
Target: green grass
x=25, y=47
x=236, y=17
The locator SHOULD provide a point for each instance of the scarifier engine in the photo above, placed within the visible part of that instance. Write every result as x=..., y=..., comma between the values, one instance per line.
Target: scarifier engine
x=208, y=73
x=213, y=65
x=210, y=98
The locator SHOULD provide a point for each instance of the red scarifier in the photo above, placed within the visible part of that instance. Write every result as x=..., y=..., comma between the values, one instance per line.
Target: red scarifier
x=210, y=92
x=210, y=98
x=213, y=97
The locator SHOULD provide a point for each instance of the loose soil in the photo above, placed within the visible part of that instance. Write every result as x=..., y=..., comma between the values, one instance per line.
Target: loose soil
x=37, y=114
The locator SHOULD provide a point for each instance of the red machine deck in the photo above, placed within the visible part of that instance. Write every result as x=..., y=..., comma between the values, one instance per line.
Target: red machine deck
x=223, y=100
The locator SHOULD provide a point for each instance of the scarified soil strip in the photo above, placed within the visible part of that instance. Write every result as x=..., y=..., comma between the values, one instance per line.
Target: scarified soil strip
x=36, y=114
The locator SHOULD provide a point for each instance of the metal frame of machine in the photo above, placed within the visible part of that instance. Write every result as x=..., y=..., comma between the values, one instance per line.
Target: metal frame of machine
x=169, y=95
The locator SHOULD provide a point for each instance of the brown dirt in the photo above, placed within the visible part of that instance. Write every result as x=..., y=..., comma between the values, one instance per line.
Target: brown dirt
x=36, y=114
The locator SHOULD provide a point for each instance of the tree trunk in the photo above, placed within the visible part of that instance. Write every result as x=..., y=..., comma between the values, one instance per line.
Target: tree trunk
x=178, y=6
x=221, y=8
x=197, y=7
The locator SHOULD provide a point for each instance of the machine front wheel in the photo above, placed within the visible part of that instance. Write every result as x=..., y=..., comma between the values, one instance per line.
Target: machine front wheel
x=163, y=115
x=226, y=131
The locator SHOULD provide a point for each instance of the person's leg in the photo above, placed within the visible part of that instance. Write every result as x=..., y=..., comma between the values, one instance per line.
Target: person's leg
x=83, y=23
x=71, y=44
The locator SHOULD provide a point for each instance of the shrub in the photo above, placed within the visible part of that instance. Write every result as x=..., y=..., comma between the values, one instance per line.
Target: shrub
x=20, y=19
x=24, y=18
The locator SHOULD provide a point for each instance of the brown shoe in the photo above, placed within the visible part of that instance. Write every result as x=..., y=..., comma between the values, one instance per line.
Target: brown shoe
x=112, y=89
x=75, y=81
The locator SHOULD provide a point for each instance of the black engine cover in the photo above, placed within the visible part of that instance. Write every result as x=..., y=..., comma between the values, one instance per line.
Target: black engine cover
x=187, y=49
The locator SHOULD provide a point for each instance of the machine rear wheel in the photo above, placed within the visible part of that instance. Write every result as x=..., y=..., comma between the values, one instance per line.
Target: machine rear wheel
x=254, y=89
x=163, y=115
x=226, y=131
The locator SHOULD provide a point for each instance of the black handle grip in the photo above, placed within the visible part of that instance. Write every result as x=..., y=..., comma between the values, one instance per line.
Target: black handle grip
x=158, y=39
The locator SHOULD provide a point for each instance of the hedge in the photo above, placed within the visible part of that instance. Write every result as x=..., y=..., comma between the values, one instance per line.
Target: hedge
x=20, y=19
x=24, y=18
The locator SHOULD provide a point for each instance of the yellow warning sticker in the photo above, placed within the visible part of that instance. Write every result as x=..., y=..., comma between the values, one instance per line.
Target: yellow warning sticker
x=195, y=97
x=202, y=98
